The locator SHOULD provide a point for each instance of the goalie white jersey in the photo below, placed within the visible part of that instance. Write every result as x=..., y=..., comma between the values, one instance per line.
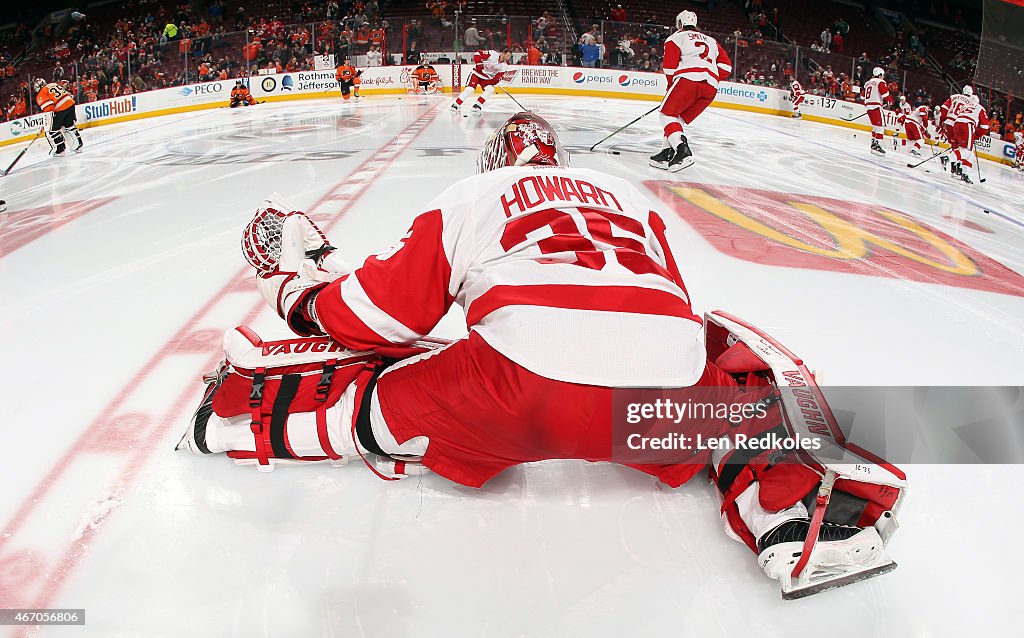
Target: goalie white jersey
x=555, y=267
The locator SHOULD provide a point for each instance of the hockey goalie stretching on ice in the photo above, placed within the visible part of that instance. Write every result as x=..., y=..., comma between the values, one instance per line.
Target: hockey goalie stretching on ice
x=571, y=293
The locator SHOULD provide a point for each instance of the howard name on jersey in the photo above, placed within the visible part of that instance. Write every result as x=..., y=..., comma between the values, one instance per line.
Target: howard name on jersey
x=695, y=56
x=554, y=267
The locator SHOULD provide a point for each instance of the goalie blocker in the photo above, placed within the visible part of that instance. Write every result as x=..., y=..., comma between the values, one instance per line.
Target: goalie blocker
x=815, y=524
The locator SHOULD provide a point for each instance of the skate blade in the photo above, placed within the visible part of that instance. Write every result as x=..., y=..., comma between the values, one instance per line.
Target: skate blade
x=686, y=163
x=661, y=165
x=803, y=591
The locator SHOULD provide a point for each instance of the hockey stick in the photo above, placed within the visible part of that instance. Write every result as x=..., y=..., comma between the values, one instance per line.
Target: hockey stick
x=23, y=151
x=521, y=107
x=928, y=159
x=617, y=131
x=977, y=165
x=855, y=118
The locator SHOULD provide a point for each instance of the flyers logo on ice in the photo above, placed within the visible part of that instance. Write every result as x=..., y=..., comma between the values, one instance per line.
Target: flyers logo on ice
x=805, y=231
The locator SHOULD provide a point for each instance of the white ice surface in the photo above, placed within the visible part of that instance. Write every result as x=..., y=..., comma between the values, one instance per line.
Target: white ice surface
x=99, y=512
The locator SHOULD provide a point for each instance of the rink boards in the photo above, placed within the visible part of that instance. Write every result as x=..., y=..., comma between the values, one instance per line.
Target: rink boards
x=394, y=80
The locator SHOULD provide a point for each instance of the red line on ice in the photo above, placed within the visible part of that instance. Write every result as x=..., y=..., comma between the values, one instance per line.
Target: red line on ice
x=58, y=573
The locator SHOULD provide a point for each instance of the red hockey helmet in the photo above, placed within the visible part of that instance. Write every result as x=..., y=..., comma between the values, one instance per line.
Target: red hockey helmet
x=524, y=138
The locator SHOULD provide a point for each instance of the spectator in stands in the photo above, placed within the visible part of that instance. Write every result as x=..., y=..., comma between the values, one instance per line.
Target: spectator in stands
x=589, y=36
x=533, y=54
x=412, y=55
x=544, y=23
x=622, y=55
x=372, y=10
x=591, y=53
x=839, y=43
x=618, y=14
x=826, y=39
x=438, y=10
x=414, y=30
x=374, y=57
x=472, y=37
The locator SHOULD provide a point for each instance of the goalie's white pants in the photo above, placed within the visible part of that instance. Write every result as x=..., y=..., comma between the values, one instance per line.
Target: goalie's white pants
x=233, y=433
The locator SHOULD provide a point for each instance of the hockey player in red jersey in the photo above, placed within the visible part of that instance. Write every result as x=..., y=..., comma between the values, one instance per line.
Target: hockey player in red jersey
x=694, y=64
x=876, y=95
x=488, y=69
x=970, y=122
x=947, y=118
x=915, y=124
x=796, y=96
x=571, y=294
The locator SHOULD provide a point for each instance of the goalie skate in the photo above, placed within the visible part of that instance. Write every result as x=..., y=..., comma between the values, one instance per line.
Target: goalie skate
x=832, y=563
x=822, y=557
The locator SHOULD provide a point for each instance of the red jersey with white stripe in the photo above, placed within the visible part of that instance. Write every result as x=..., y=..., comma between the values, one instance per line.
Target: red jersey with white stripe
x=489, y=68
x=695, y=56
x=875, y=93
x=917, y=115
x=564, y=271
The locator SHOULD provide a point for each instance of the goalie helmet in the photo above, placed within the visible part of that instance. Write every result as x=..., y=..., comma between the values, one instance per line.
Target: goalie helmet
x=968, y=89
x=686, y=19
x=38, y=84
x=525, y=138
x=878, y=72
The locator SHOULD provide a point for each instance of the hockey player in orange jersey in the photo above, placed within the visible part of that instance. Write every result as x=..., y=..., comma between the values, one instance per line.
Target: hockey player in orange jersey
x=425, y=79
x=348, y=79
x=54, y=99
x=240, y=95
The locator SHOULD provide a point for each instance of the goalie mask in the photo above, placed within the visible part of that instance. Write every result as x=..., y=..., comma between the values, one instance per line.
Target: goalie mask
x=525, y=138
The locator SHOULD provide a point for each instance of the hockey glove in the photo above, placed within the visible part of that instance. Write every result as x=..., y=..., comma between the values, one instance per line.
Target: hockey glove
x=306, y=266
